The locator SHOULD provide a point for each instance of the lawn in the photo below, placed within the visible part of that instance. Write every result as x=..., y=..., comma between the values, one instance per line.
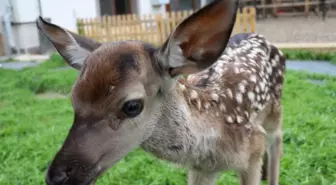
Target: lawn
x=309, y=55
x=32, y=129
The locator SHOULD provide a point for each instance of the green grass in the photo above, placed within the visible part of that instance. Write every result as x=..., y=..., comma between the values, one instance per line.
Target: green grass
x=309, y=55
x=8, y=60
x=33, y=129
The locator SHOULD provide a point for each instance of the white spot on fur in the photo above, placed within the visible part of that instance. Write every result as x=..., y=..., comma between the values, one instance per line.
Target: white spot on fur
x=257, y=89
x=238, y=110
x=207, y=105
x=229, y=119
x=273, y=62
x=262, y=85
x=199, y=105
x=251, y=55
x=229, y=92
x=246, y=114
x=280, y=53
x=253, y=78
x=241, y=87
x=182, y=87
x=193, y=94
x=239, y=98
x=112, y=88
x=277, y=58
x=239, y=119
x=280, y=72
x=222, y=107
x=236, y=70
x=267, y=97
x=269, y=69
x=260, y=106
x=251, y=95
x=214, y=97
x=261, y=129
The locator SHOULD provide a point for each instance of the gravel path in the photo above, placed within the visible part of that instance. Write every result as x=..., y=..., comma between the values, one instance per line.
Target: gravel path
x=298, y=29
x=319, y=67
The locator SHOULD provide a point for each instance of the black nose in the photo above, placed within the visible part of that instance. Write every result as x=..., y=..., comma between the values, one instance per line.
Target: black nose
x=56, y=177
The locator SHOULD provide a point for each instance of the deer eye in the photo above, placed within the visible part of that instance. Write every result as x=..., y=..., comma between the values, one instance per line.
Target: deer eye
x=133, y=108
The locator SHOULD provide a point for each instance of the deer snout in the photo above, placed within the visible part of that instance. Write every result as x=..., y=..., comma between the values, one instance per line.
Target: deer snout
x=71, y=170
x=56, y=177
x=77, y=175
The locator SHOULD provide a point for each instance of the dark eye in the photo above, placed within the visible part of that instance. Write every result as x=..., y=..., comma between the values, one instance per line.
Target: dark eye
x=133, y=108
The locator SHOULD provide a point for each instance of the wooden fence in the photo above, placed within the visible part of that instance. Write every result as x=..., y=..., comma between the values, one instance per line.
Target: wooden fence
x=151, y=28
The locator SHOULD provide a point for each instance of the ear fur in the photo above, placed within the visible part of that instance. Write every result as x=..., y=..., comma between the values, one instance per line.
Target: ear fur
x=72, y=47
x=199, y=40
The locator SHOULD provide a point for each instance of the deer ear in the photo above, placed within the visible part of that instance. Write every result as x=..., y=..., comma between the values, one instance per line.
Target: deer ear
x=71, y=46
x=198, y=41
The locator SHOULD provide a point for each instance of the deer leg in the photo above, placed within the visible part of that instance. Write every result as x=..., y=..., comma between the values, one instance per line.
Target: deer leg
x=252, y=175
x=201, y=178
x=274, y=149
x=274, y=155
x=265, y=167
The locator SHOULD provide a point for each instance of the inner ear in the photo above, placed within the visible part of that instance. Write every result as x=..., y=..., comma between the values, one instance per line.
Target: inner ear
x=71, y=46
x=198, y=41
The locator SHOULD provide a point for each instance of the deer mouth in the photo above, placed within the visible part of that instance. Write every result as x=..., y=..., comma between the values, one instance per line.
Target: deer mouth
x=95, y=177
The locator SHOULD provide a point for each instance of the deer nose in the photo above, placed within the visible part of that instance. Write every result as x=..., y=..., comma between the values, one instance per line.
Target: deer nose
x=56, y=177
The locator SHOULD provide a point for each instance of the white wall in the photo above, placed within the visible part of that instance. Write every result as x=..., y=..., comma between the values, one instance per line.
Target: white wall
x=3, y=5
x=25, y=36
x=25, y=10
x=61, y=12
x=146, y=7
x=65, y=12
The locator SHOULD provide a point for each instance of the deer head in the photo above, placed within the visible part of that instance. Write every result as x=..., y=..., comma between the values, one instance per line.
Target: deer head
x=122, y=87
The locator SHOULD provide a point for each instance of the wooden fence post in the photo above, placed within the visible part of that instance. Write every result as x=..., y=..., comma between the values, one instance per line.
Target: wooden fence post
x=252, y=18
x=80, y=26
x=160, y=27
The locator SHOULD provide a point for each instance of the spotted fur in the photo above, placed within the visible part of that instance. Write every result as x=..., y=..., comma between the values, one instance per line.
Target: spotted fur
x=247, y=77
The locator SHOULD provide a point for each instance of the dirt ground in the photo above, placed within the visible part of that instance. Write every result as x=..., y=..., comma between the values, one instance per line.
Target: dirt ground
x=311, y=29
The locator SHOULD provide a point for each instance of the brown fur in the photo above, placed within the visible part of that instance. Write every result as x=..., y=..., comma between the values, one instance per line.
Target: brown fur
x=221, y=117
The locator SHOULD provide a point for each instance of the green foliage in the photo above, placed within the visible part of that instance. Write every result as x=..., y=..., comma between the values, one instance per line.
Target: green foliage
x=80, y=26
x=33, y=129
x=8, y=60
x=309, y=55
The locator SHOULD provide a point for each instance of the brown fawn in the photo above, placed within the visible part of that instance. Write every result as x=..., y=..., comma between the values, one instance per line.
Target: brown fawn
x=225, y=115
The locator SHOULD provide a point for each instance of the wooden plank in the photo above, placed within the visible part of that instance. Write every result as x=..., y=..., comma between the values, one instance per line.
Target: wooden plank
x=168, y=24
x=118, y=28
x=109, y=33
x=245, y=19
x=252, y=17
x=160, y=22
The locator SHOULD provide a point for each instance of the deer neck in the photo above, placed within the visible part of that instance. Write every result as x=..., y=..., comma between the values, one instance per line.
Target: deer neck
x=185, y=132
